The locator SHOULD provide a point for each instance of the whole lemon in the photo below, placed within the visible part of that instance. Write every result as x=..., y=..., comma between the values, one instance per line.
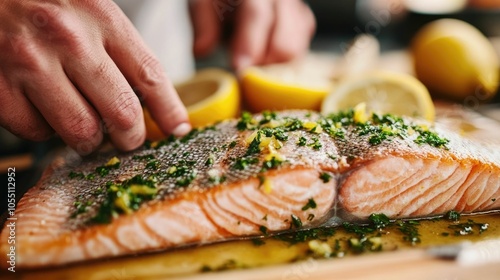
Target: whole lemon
x=454, y=59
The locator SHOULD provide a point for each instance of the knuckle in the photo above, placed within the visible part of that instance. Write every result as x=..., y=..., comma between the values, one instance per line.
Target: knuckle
x=150, y=71
x=28, y=55
x=105, y=9
x=39, y=135
x=81, y=127
x=26, y=127
x=102, y=69
x=258, y=10
x=44, y=15
x=58, y=26
x=126, y=110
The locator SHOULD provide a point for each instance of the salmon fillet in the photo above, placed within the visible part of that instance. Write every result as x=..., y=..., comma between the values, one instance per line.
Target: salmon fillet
x=259, y=175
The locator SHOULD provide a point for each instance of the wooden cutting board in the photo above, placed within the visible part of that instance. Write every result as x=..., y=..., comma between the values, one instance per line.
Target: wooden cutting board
x=407, y=264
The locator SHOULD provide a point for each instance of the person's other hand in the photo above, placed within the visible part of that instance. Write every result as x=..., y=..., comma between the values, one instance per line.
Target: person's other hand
x=72, y=66
x=266, y=31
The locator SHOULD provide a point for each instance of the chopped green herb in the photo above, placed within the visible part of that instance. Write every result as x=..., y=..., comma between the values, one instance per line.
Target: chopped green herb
x=410, y=231
x=316, y=144
x=164, y=142
x=325, y=177
x=245, y=121
x=273, y=163
x=360, y=230
x=377, y=139
x=263, y=229
x=258, y=242
x=217, y=179
x=147, y=157
x=80, y=208
x=267, y=116
x=183, y=182
x=153, y=164
x=310, y=204
x=254, y=147
x=296, y=222
x=124, y=198
x=232, y=144
x=305, y=235
x=302, y=141
x=379, y=220
x=431, y=138
x=103, y=170
x=210, y=161
x=244, y=163
x=76, y=175
x=190, y=135
x=333, y=157
x=293, y=124
x=452, y=216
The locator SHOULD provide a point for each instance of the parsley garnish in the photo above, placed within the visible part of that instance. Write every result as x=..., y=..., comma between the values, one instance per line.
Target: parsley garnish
x=310, y=204
x=325, y=177
x=244, y=163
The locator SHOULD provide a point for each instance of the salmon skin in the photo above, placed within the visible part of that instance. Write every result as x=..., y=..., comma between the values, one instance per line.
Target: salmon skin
x=259, y=175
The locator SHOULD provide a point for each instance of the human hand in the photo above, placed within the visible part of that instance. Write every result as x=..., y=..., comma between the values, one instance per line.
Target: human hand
x=265, y=32
x=72, y=66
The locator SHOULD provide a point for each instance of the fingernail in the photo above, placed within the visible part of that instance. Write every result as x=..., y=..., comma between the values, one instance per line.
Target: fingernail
x=182, y=129
x=243, y=62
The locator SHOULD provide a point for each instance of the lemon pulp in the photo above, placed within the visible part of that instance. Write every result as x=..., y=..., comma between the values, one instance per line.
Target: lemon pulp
x=382, y=92
x=210, y=96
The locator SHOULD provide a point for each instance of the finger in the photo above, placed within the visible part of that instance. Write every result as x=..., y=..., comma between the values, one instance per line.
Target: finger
x=147, y=77
x=105, y=87
x=290, y=37
x=206, y=27
x=19, y=116
x=254, y=25
x=65, y=109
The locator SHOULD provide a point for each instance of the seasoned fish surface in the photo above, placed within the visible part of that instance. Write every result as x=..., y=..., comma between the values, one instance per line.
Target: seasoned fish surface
x=254, y=176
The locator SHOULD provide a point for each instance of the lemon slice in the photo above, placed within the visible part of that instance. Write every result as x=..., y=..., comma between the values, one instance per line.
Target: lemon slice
x=382, y=92
x=287, y=86
x=210, y=96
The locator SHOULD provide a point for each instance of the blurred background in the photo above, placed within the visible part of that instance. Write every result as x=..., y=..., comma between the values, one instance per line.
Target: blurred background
x=392, y=22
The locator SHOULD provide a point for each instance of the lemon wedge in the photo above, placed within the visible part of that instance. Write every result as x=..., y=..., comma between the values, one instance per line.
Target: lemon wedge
x=287, y=86
x=210, y=96
x=382, y=92
x=453, y=59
